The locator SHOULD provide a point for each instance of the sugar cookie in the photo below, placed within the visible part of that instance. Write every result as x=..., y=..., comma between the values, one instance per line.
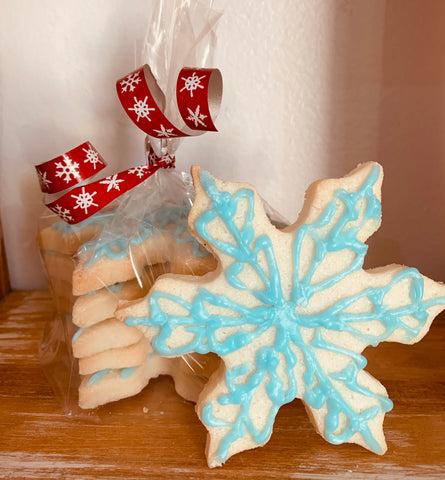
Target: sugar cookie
x=116, y=259
x=66, y=239
x=289, y=312
x=109, y=333
x=110, y=385
x=99, y=305
x=118, y=357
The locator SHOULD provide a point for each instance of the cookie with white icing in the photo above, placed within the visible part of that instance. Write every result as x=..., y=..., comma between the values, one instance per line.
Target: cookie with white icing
x=289, y=312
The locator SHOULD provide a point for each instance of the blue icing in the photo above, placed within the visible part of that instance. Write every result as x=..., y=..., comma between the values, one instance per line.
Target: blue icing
x=100, y=219
x=124, y=373
x=127, y=372
x=117, y=248
x=280, y=313
x=78, y=334
x=97, y=376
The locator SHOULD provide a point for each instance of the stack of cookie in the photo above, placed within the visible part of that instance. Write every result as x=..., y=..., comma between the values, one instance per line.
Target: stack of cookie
x=115, y=360
x=110, y=259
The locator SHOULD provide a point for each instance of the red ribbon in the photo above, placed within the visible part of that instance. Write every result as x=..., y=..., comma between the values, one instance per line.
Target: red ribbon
x=70, y=168
x=82, y=201
x=198, y=95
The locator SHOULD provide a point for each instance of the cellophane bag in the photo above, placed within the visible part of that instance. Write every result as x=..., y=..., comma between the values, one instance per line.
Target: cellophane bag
x=114, y=256
x=91, y=357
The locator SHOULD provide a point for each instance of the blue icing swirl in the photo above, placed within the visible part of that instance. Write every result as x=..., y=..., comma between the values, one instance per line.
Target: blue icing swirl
x=117, y=248
x=124, y=373
x=346, y=214
x=97, y=376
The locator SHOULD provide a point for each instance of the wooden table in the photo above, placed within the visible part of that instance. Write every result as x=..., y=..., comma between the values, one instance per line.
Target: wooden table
x=157, y=435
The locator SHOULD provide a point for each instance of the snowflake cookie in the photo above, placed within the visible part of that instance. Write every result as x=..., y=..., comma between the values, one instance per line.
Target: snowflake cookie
x=289, y=312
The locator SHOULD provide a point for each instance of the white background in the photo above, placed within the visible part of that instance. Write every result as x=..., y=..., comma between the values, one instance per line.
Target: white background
x=311, y=88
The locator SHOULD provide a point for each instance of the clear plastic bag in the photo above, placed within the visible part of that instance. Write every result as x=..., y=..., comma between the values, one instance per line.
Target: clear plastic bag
x=91, y=357
x=115, y=256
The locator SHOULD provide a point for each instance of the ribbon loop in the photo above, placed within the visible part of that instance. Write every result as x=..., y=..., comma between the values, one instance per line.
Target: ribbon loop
x=198, y=93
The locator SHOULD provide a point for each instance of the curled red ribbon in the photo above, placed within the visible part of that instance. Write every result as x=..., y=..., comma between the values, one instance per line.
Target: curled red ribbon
x=198, y=95
x=82, y=201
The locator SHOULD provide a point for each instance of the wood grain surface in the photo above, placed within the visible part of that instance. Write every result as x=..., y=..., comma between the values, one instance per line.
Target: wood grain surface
x=157, y=435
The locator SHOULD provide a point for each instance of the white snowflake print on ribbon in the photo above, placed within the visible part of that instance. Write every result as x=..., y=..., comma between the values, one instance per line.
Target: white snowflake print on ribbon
x=169, y=160
x=192, y=83
x=44, y=182
x=141, y=109
x=196, y=117
x=128, y=83
x=139, y=171
x=64, y=213
x=67, y=169
x=92, y=156
x=85, y=200
x=164, y=132
x=112, y=182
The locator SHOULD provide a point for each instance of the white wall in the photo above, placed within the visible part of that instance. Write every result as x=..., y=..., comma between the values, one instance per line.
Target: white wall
x=311, y=88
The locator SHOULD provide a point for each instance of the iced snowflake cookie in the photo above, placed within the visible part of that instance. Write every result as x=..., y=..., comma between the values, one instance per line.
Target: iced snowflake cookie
x=117, y=259
x=289, y=312
x=163, y=238
x=101, y=341
x=189, y=374
x=66, y=239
